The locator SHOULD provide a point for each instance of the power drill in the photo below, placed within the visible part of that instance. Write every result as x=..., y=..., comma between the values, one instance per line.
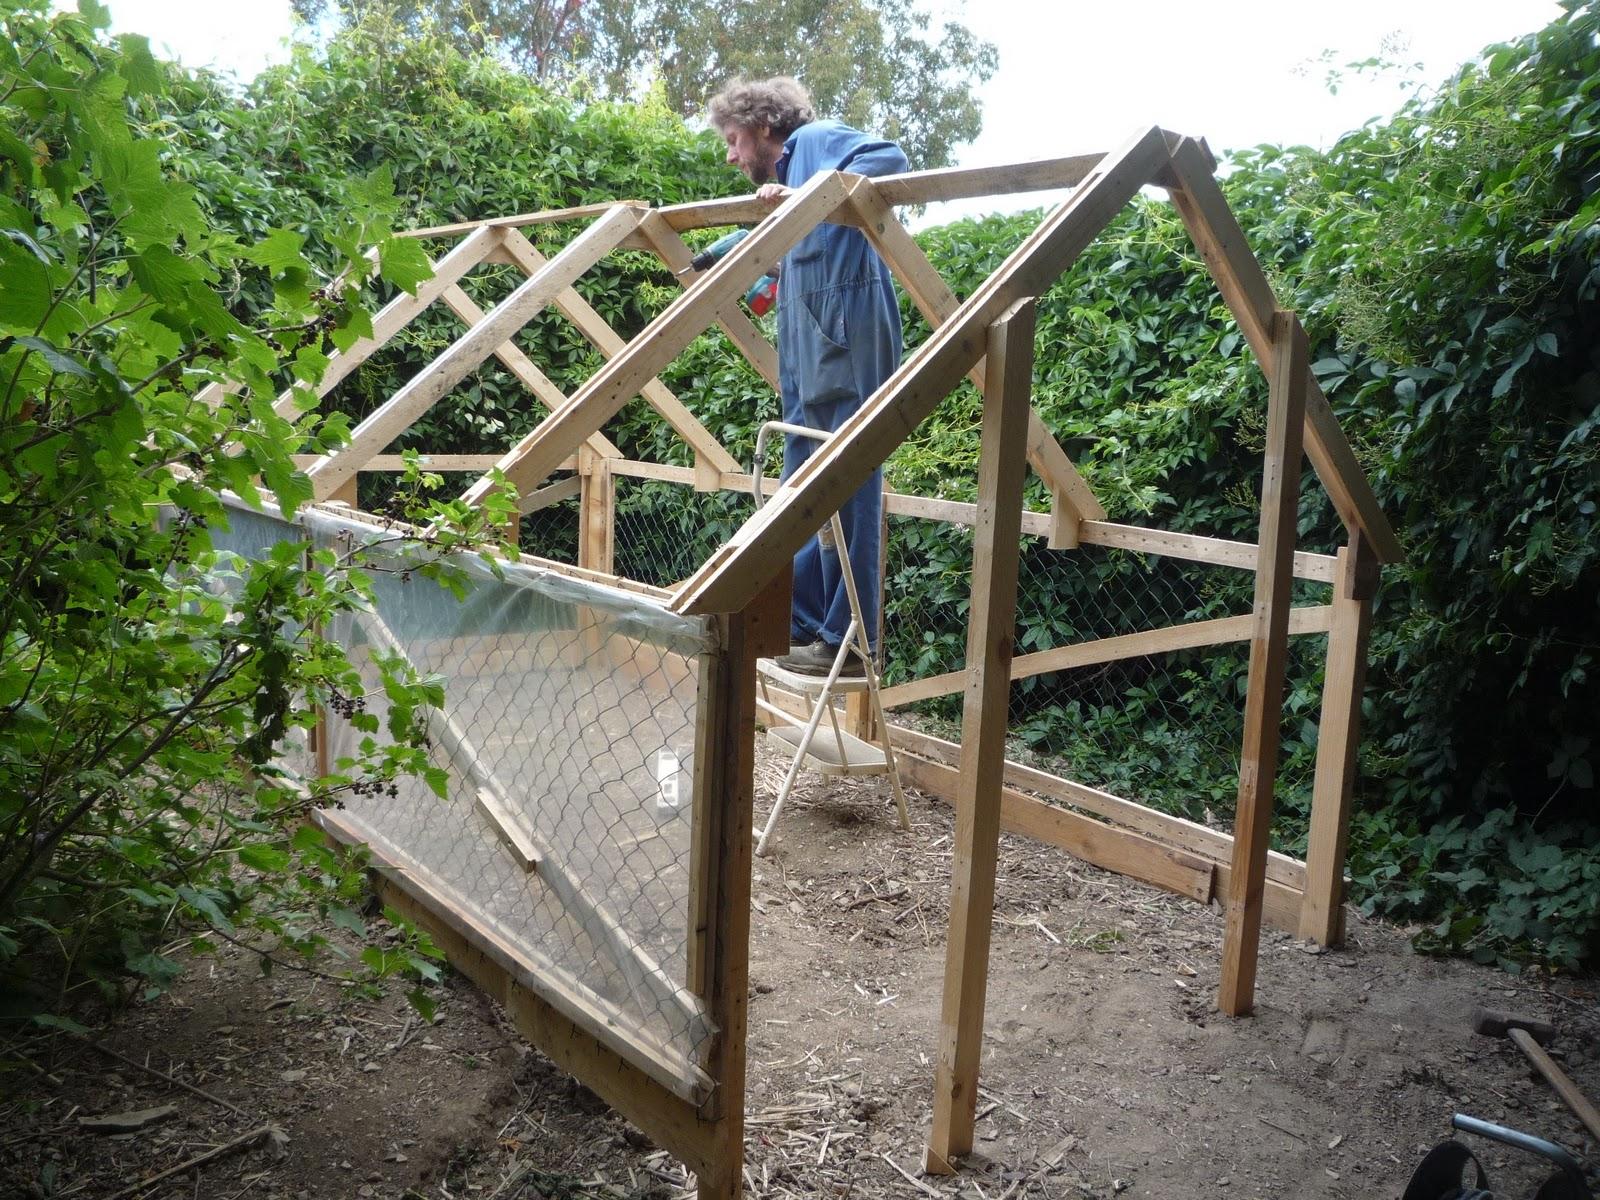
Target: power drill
x=763, y=294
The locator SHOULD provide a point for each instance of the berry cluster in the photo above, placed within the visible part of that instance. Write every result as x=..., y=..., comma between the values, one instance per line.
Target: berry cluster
x=345, y=706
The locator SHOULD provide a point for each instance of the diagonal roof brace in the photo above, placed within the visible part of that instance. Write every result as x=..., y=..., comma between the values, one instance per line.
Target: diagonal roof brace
x=533, y=459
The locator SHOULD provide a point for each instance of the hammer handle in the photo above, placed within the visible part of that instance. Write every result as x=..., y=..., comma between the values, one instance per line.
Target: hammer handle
x=1558, y=1079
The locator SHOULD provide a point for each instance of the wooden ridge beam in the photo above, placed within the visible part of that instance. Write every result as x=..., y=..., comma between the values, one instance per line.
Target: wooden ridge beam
x=726, y=582
x=1193, y=635
x=938, y=303
x=1249, y=296
x=610, y=344
x=464, y=355
x=910, y=187
x=538, y=454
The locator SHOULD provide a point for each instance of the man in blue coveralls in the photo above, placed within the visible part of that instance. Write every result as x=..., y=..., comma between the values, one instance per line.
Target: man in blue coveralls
x=838, y=337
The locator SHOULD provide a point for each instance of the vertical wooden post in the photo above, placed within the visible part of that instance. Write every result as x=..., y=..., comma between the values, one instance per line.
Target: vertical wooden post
x=597, y=511
x=1338, y=737
x=990, y=634
x=1269, y=647
x=858, y=705
x=345, y=493
x=719, y=900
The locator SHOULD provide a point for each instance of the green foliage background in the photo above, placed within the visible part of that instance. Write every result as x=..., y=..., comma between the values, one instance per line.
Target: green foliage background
x=1444, y=261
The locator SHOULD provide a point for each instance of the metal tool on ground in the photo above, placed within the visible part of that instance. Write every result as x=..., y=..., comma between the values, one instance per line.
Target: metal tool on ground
x=843, y=753
x=763, y=293
x=1526, y=1033
x=1442, y=1174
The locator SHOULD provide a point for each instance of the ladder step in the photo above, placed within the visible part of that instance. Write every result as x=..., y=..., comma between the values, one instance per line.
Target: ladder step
x=860, y=758
x=808, y=684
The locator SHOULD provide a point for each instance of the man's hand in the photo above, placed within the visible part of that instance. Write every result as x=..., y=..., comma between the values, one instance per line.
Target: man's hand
x=772, y=193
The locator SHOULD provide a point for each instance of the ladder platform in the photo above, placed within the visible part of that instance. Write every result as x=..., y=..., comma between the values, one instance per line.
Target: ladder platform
x=822, y=756
x=808, y=684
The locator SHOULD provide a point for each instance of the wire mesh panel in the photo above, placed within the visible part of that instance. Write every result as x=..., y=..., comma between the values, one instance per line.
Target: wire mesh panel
x=1161, y=728
x=567, y=750
x=665, y=531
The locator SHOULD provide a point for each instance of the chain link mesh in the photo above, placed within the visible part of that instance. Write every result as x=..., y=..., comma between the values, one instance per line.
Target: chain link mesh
x=1163, y=729
x=568, y=730
x=665, y=531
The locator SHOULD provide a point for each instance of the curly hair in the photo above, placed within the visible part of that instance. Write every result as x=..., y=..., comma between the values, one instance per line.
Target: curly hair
x=781, y=104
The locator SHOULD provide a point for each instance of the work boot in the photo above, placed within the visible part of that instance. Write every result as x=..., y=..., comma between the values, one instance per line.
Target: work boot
x=817, y=659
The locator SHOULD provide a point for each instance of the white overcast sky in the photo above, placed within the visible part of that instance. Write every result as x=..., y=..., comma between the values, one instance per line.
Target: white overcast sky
x=1078, y=76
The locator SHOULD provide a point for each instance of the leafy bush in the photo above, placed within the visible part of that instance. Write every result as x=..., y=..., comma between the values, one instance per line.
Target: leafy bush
x=149, y=680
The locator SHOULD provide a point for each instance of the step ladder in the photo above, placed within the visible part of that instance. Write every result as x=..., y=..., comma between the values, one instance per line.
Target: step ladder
x=835, y=752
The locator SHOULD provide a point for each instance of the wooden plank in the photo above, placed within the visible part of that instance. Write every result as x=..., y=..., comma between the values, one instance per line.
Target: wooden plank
x=1195, y=548
x=911, y=187
x=746, y=337
x=463, y=356
x=1263, y=707
x=553, y=493
x=1249, y=297
x=606, y=339
x=1106, y=846
x=1187, y=836
x=1216, y=632
x=597, y=513
x=532, y=460
x=1109, y=847
x=839, y=468
x=579, y=212
x=938, y=303
x=990, y=631
x=521, y=366
x=1338, y=739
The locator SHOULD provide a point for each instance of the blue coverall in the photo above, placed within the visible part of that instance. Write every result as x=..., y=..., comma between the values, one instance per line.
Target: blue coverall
x=838, y=340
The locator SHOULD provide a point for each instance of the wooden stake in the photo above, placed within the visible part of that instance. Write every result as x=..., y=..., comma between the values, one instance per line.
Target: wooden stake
x=598, y=512
x=990, y=634
x=1338, y=737
x=1263, y=710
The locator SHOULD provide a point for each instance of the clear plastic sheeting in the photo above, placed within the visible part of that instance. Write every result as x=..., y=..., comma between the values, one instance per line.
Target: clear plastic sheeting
x=568, y=737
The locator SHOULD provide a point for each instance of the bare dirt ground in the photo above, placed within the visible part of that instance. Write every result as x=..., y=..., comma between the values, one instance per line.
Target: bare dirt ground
x=1106, y=1071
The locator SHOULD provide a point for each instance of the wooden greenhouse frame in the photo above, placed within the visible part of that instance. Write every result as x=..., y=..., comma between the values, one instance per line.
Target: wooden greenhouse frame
x=743, y=587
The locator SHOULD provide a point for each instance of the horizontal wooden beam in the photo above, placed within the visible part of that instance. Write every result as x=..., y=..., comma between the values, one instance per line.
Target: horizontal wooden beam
x=1188, y=836
x=728, y=581
x=442, y=463
x=537, y=455
x=1106, y=846
x=1190, y=636
x=550, y=216
x=911, y=187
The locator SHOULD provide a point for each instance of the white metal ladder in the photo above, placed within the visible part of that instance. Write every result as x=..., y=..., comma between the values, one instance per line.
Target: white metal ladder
x=843, y=754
